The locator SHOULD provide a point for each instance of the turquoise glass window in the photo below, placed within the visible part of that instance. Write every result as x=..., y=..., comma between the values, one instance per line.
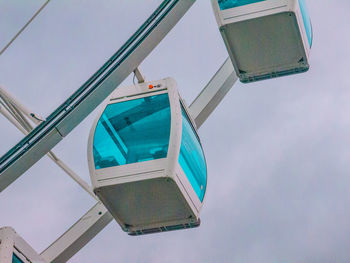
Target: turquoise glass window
x=15, y=259
x=307, y=20
x=227, y=4
x=132, y=131
x=191, y=157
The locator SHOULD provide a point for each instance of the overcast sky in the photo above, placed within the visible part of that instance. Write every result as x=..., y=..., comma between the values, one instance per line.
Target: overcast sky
x=277, y=151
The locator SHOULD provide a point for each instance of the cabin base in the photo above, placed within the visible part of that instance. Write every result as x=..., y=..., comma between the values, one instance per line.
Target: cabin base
x=165, y=228
x=266, y=47
x=147, y=205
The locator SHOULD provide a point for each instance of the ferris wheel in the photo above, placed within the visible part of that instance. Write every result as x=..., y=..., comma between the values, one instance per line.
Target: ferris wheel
x=147, y=165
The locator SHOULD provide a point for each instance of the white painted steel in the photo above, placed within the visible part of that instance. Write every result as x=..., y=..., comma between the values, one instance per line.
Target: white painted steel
x=15, y=113
x=6, y=244
x=139, y=76
x=72, y=174
x=11, y=243
x=213, y=93
x=31, y=115
x=11, y=119
x=76, y=237
x=25, y=127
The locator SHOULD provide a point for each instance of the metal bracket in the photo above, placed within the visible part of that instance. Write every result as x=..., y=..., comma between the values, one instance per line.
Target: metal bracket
x=139, y=76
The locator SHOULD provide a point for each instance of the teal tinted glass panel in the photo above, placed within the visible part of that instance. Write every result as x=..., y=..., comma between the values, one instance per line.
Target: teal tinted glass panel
x=227, y=4
x=191, y=158
x=307, y=20
x=132, y=131
x=15, y=259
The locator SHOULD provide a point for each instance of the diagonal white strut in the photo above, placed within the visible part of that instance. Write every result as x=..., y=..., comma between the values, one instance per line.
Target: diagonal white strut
x=16, y=112
x=213, y=93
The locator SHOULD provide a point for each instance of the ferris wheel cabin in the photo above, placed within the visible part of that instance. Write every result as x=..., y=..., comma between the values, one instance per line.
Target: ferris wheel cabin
x=265, y=38
x=146, y=161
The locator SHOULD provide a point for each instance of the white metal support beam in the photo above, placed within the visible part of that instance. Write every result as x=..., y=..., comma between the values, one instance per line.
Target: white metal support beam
x=98, y=217
x=213, y=93
x=31, y=115
x=11, y=119
x=7, y=243
x=11, y=243
x=139, y=76
x=72, y=174
x=16, y=113
x=78, y=235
